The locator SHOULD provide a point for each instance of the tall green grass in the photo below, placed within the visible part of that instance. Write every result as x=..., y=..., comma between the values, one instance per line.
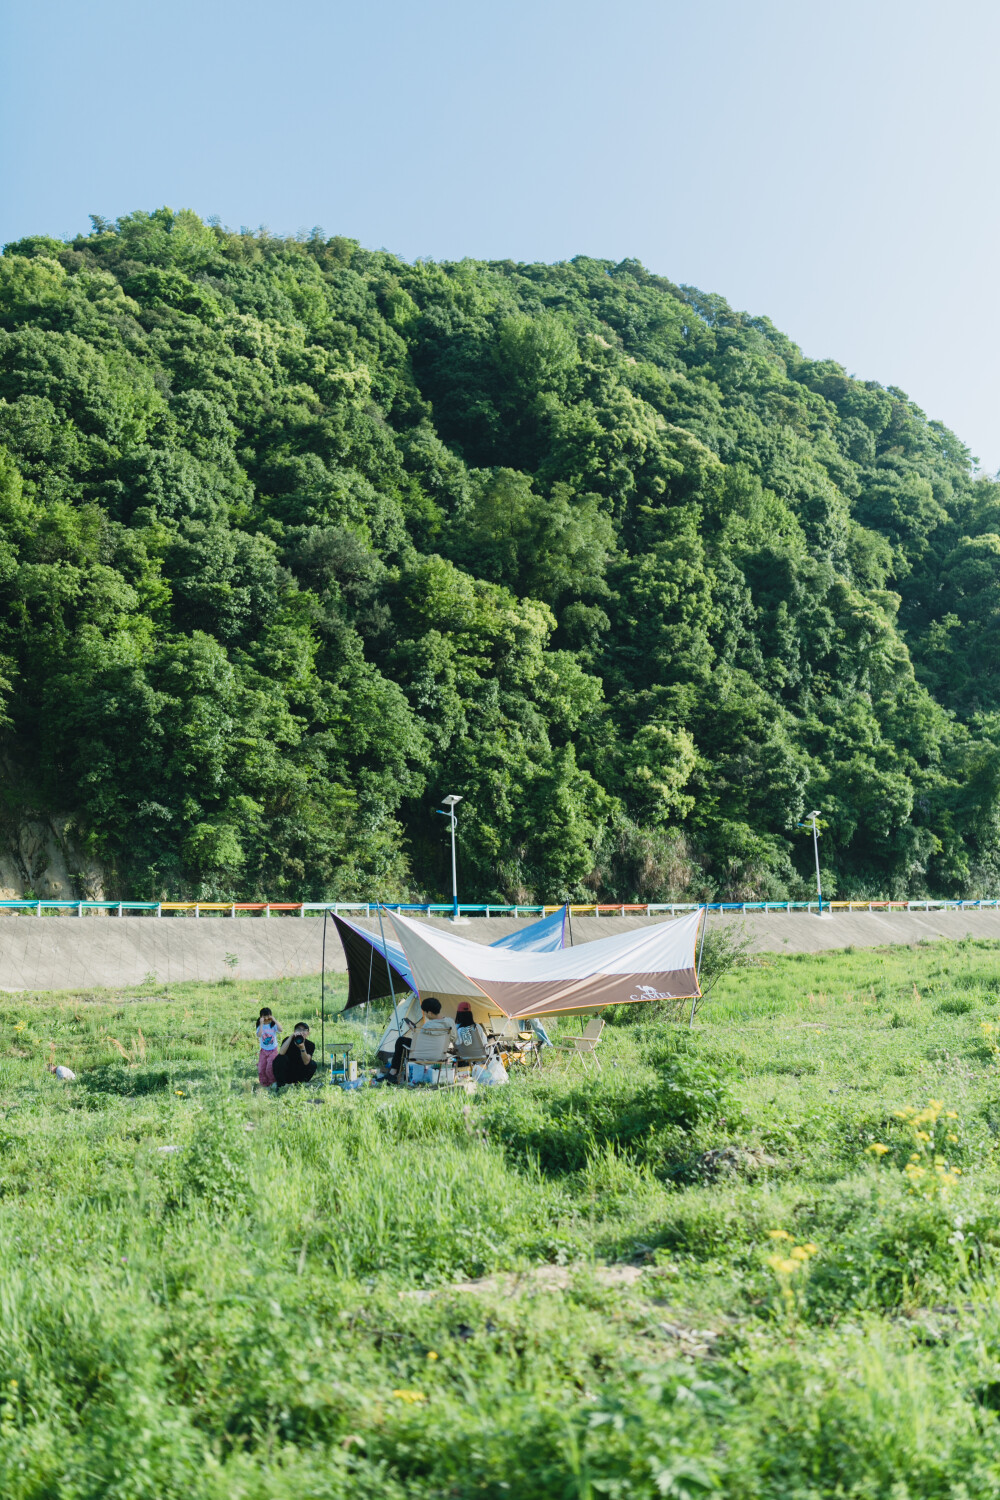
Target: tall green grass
x=207, y=1290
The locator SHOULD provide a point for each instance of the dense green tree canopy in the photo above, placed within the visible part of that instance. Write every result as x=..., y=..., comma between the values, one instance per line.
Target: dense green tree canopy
x=296, y=537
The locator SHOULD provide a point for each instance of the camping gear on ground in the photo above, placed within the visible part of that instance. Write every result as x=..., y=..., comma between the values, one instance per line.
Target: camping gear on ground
x=342, y=1067
x=428, y=1051
x=491, y=1071
x=586, y=1045
x=650, y=963
x=532, y=1044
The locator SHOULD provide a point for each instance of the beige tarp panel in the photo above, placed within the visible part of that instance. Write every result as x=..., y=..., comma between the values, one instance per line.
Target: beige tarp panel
x=653, y=963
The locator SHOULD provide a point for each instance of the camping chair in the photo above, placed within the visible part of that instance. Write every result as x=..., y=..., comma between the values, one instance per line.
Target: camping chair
x=513, y=1038
x=525, y=1042
x=586, y=1045
x=428, y=1050
x=475, y=1050
x=481, y=1052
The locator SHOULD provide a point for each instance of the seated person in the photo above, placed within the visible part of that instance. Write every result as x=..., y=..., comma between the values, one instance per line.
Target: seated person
x=464, y=1016
x=402, y=1045
x=431, y=1020
x=432, y=1024
x=294, y=1062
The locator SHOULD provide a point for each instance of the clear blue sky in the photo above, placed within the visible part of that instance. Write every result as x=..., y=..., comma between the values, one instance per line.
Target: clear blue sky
x=830, y=165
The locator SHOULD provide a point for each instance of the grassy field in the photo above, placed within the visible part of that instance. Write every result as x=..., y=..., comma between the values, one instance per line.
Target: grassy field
x=754, y=1260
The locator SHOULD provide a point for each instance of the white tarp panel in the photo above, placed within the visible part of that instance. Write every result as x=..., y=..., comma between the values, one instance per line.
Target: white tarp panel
x=651, y=963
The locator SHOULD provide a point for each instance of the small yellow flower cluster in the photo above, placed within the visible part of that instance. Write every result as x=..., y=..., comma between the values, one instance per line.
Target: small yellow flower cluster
x=412, y=1398
x=927, y=1171
x=938, y=1177
x=925, y=1124
x=8, y=1412
x=786, y=1263
x=916, y=1118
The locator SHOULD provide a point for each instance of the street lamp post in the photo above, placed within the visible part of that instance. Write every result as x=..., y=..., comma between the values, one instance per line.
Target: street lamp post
x=819, y=887
x=451, y=803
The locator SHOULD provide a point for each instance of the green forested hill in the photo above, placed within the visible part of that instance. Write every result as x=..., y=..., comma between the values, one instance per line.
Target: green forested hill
x=297, y=537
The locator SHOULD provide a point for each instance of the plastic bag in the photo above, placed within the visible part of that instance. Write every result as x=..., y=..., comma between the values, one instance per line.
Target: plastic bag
x=492, y=1071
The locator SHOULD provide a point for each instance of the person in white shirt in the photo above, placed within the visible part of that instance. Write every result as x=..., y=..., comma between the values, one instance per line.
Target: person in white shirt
x=434, y=1024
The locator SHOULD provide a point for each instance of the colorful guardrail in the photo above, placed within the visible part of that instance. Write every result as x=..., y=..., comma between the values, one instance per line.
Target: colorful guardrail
x=36, y=907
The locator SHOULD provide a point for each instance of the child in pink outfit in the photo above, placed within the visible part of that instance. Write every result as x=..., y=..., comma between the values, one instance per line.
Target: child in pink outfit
x=268, y=1032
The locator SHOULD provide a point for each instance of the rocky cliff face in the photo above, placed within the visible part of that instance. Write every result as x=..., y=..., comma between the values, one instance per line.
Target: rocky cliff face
x=39, y=854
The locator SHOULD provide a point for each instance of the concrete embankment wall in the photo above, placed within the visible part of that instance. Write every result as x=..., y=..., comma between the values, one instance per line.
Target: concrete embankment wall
x=104, y=952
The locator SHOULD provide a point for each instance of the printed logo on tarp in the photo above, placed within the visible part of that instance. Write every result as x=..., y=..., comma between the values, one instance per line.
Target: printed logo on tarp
x=646, y=992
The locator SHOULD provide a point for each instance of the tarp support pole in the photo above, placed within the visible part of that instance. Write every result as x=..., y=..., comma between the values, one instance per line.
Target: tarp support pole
x=368, y=1001
x=392, y=987
x=697, y=967
x=322, y=996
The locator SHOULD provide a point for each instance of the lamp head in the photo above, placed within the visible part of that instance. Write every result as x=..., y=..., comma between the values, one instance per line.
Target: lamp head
x=451, y=800
x=816, y=814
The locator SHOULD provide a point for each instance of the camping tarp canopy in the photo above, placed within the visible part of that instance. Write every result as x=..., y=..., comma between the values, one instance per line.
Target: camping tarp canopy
x=369, y=957
x=653, y=963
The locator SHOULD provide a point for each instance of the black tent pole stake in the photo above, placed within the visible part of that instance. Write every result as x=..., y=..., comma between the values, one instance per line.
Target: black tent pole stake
x=697, y=967
x=368, y=1001
x=322, y=994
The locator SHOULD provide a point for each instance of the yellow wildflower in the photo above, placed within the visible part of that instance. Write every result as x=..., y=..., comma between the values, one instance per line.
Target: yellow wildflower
x=877, y=1148
x=432, y=1354
x=410, y=1397
x=778, y=1234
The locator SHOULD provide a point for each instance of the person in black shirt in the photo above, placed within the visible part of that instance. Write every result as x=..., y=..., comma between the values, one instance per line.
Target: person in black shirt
x=294, y=1062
